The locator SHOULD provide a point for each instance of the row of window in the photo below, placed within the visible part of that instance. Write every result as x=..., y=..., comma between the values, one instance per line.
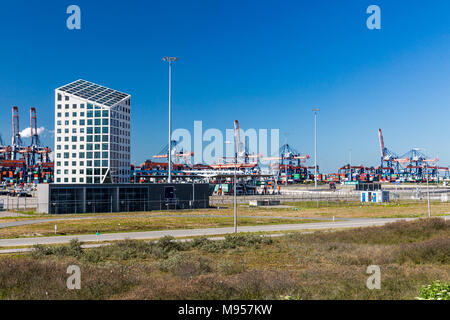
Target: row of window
x=89, y=163
x=89, y=114
x=74, y=106
x=89, y=146
x=81, y=155
x=89, y=171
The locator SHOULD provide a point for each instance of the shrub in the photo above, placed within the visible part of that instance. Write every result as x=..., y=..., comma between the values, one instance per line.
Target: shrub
x=431, y=251
x=185, y=265
x=435, y=291
x=228, y=267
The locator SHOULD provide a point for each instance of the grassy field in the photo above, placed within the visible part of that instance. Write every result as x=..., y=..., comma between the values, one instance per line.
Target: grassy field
x=125, y=224
x=322, y=265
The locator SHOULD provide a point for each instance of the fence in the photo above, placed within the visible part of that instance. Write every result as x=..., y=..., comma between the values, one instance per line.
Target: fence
x=17, y=203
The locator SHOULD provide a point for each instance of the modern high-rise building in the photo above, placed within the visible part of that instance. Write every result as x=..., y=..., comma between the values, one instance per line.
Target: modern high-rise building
x=92, y=134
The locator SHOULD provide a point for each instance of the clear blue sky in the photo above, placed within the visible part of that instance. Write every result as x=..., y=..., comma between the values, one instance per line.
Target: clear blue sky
x=265, y=63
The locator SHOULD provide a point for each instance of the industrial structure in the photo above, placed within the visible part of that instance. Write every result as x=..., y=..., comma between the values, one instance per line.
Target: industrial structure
x=22, y=163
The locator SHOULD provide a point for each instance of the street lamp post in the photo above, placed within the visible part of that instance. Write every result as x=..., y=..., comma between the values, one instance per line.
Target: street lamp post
x=234, y=187
x=428, y=192
x=170, y=60
x=316, y=110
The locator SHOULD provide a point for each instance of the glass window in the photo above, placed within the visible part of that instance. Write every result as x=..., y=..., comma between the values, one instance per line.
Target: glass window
x=81, y=155
x=89, y=146
x=74, y=106
x=96, y=155
x=89, y=171
x=74, y=114
x=89, y=163
x=58, y=130
x=105, y=155
x=74, y=179
x=105, y=138
x=66, y=155
x=58, y=147
x=89, y=106
x=104, y=129
x=59, y=106
x=88, y=179
x=82, y=106
x=58, y=139
x=97, y=146
x=98, y=114
x=81, y=146
x=81, y=131
x=89, y=155
x=96, y=163
x=96, y=179
x=97, y=129
x=104, y=146
x=66, y=122
x=58, y=114
x=81, y=179
x=97, y=122
x=97, y=138
x=89, y=122
x=89, y=138
x=74, y=122
x=105, y=122
x=66, y=114
x=96, y=171
x=105, y=113
x=74, y=138
x=67, y=98
x=89, y=114
x=59, y=97
x=89, y=130
x=58, y=122
x=82, y=122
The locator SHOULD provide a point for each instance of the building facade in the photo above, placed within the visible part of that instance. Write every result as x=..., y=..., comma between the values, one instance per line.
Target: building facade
x=92, y=134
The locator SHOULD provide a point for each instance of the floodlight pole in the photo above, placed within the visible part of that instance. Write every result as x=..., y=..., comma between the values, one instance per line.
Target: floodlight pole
x=428, y=192
x=169, y=152
x=315, y=146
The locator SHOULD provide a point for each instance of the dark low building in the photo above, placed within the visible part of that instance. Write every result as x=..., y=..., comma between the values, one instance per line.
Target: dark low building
x=98, y=198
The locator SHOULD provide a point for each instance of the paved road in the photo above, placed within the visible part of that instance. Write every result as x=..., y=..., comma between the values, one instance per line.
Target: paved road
x=197, y=232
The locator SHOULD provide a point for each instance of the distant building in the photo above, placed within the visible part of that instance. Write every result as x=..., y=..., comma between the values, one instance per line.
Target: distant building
x=92, y=134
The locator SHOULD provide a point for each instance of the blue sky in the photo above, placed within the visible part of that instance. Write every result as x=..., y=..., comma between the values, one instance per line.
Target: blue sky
x=265, y=63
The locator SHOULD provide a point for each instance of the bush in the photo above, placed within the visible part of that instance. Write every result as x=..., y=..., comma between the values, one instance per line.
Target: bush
x=432, y=251
x=73, y=249
x=435, y=291
x=228, y=267
x=185, y=265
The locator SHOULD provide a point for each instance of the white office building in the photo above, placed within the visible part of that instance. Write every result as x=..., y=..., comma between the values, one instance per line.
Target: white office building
x=92, y=134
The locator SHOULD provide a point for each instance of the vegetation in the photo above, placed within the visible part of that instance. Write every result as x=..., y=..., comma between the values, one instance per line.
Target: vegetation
x=322, y=265
x=435, y=291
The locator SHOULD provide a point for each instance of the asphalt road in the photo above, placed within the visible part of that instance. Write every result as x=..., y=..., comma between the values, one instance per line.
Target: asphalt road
x=351, y=223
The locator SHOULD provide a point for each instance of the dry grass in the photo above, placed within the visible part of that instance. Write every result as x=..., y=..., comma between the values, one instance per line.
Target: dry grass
x=108, y=225
x=323, y=265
